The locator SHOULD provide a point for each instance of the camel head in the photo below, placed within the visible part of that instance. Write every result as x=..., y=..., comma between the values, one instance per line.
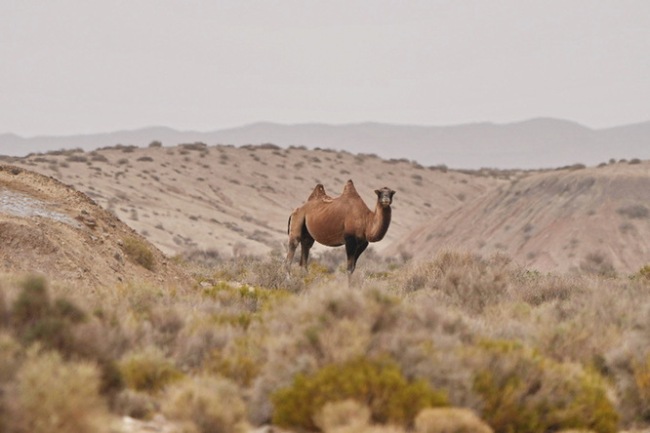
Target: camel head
x=385, y=196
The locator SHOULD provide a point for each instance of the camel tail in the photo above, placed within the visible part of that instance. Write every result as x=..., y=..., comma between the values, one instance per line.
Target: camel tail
x=289, y=225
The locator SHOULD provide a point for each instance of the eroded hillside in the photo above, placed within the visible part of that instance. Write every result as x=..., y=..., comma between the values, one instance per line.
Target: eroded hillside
x=592, y=219
x=49, y=228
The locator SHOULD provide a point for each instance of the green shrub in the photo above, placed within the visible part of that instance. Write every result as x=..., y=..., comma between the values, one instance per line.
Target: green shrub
x=148, y=370
x=138, y=251
x=212, y=404
x=378, y=383
x=523, y=391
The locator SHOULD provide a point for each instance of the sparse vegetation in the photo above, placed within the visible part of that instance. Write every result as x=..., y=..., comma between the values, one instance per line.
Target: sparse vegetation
x=138, y=251
x=507, y=349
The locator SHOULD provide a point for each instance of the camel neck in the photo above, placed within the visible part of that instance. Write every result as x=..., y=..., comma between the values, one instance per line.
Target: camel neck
x=379, y=222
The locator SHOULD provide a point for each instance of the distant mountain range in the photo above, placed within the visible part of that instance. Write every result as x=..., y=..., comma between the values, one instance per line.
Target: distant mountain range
x=535, y=143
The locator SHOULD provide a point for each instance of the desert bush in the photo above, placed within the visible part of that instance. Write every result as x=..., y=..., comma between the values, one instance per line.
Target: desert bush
x=11, y=356
x=138, y=251
x=641, y=375
x=523, y=391
x=449, y=420
x=148, y=370
x=37, y=319
x=345, y=414
x=135, y=404
x=598, y=263
x=644, y=273
x=155, y=143
x=213, y=404
x=77, y=158
x=634, y=211
x=145, y=159
x=50, y=396
x=240, y=361
x=468, y=281
x=379, y=382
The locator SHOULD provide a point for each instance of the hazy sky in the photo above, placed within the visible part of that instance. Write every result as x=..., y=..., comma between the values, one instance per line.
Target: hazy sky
x=84, y=66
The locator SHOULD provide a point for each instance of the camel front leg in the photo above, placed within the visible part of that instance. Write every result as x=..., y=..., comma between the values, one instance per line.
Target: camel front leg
x=353, y=249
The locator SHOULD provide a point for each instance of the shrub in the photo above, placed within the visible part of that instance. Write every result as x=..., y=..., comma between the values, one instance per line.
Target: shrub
x=644, y=273
x=345, y=414
x=598, y=263
x=148, y=370
x=523, y=391
x=449, y=420
x=212, y=404
x=635, y=211
x=138, y=251
x=36, y=318
x=52, y=396
x=467, y=280
x=380, y=383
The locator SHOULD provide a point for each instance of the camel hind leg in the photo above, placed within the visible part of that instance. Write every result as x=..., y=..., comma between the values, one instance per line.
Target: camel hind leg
x=298, y=235
x=294, y=230
x=305, y=245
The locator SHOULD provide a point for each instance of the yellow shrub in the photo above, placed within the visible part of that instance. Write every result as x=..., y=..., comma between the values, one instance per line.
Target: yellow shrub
x=380, y=383
x=148, y=370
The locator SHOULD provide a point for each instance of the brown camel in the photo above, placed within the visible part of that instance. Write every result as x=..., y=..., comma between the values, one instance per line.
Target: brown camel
x=343, y=220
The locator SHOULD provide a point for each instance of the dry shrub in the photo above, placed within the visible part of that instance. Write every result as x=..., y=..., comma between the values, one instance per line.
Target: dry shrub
x=380, y=383
x=535, y=289
x=11, y=355
x=213, y=404
x=598, y=263
x=135, y=404
x=148, y=370
x=240, y=360
x=36, y=318
x=138, y=251
x=641, y=385
x=449, y=420
x=523, y=391
x=342, y=416
x=466, y=280
x=50, y=396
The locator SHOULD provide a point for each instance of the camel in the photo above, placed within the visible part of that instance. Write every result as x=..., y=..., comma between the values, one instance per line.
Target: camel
x=343, y=220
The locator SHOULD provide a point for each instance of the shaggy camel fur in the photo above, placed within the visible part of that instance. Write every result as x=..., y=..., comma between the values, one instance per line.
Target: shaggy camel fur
x=343, y=220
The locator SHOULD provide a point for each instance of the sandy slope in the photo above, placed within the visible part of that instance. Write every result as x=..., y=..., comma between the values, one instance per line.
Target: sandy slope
x=52, y=229
x=561, y=220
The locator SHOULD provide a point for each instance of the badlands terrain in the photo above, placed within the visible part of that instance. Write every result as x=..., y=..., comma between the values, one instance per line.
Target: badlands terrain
x=235, y=201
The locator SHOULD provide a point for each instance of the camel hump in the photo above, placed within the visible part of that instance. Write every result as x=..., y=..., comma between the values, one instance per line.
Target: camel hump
x=319, y=193
x=349, y=188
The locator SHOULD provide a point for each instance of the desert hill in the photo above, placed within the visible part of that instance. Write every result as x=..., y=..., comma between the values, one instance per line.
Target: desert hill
x=593, y=219
x=529, y=144
x=52, y=229
x=237, y=200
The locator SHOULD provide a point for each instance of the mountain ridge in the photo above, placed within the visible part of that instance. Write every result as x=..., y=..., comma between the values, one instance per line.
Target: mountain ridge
x=528, y=144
